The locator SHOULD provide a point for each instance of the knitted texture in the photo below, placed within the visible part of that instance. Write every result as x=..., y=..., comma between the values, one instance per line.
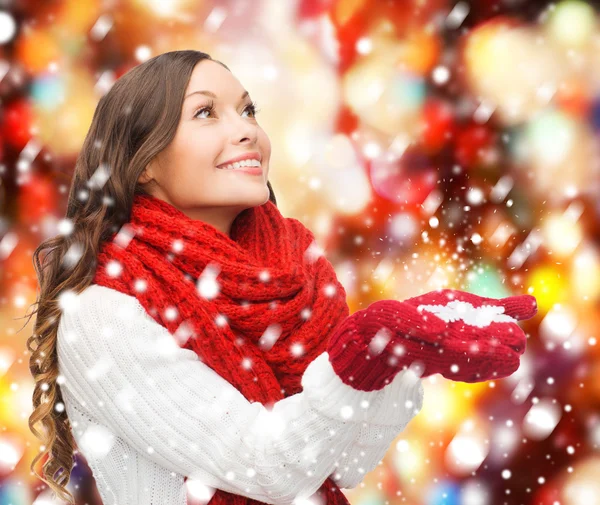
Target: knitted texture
x=462, y=336
x=149, y=416
x=257, y=307
x=359, y=350
x=482, y=339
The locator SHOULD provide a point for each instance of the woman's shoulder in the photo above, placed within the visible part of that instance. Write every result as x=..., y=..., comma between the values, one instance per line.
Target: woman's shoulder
x=95, y=294
x=96, y=303
x=99, y=323
x=97, y=291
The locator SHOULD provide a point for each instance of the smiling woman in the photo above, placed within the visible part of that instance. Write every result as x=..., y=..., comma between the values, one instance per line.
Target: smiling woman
x=147, y=137
x=186, y=329
x=201, y=171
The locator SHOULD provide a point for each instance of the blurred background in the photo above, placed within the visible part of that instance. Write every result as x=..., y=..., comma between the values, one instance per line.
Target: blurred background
x=426, y=143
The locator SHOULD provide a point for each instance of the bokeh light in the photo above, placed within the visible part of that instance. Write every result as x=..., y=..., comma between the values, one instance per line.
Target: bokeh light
x=426, y=144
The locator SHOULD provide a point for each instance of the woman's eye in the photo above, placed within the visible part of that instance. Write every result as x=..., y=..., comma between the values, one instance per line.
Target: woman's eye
x=251, y=107
x=209, y=109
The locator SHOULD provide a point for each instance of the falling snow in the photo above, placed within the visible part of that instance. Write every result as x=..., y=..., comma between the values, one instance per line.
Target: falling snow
x=475, y=316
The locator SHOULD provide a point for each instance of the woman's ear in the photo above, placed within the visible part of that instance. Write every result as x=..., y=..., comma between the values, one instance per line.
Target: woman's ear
x=146, y=175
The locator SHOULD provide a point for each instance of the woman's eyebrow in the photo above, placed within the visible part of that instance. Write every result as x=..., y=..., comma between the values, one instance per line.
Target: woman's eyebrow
x=210, y=93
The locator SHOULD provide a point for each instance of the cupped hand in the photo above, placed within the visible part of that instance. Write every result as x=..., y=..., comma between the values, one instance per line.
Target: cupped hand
x=366, y=349
x=481, y=339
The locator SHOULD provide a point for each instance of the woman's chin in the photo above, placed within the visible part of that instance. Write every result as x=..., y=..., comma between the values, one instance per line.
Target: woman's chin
x=252, y=198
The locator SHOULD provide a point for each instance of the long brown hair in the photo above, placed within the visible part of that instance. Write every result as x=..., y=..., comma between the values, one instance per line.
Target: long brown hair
x=132, y=123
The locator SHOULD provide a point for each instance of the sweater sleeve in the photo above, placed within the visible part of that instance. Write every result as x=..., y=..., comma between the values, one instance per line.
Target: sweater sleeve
x=374, y=440
x=130, y=375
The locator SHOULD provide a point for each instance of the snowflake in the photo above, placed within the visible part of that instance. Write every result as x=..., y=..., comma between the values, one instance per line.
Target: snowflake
x=97, y=441
x=313, y=252
x=474, y=316
x=207, y=285
x=177, y=246
x=330, y=290
x=73, y=255
x=68, y=301
x=140, y=285
x=65, y=226
x=269, y=337
x=171, y=313
x=297, y=349
x=99, y=177
x=124, y=236
x=114, y=268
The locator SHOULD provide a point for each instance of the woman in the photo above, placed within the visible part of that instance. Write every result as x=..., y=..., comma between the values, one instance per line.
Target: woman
x=187, y=330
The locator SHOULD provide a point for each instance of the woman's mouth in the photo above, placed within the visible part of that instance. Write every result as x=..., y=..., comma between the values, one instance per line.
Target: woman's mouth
x=252, y=167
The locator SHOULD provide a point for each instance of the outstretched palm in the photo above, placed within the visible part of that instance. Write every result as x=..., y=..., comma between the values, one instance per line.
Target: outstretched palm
x=482, y=339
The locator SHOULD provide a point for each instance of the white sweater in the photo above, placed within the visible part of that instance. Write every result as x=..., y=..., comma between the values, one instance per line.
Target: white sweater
x=145, y=413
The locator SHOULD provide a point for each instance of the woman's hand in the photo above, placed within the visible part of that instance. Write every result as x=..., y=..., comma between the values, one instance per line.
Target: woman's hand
x=462, y=336
x=358, y=347
x=482, y=339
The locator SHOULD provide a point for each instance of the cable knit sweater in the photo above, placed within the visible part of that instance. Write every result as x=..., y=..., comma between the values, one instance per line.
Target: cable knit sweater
x=146, y=413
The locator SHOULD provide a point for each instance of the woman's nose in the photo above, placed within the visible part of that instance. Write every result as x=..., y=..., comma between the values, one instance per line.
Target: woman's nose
x=241, y=127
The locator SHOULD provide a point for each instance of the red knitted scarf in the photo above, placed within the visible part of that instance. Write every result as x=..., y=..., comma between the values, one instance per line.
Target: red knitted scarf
x=257, y=307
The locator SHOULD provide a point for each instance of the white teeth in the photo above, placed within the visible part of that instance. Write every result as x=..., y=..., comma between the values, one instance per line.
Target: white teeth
x=244, y=163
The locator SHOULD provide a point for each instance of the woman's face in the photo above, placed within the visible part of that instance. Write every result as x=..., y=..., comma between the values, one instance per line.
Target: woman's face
x=185, y=173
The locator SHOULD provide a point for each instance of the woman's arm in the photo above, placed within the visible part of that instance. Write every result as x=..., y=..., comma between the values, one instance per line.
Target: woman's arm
x=365, y=453
x=129, y=373
x=374, y=440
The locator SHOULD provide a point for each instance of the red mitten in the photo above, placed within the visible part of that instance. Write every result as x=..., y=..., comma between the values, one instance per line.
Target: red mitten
x=460, y=335
x=358, y=349
x=482, y=339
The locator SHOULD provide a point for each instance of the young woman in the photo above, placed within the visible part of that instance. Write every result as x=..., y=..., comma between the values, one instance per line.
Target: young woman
x=187, y=330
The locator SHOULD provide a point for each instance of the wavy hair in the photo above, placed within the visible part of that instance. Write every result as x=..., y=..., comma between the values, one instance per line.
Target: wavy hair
x=125, y=134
